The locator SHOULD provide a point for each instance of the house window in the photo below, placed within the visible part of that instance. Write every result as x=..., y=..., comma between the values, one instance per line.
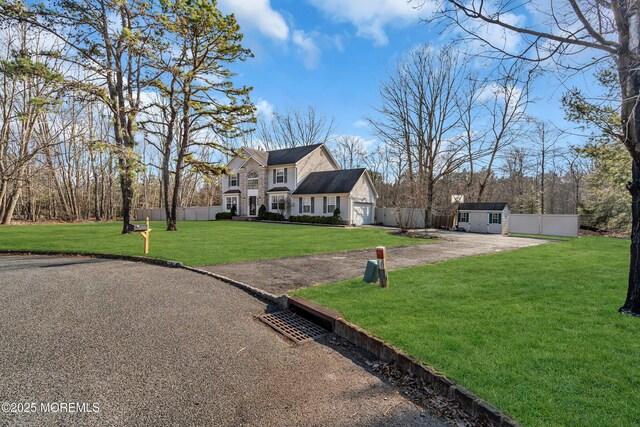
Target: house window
x=232, y=201
x=495, y=218
x=278, y=203
x=331, y=204
x=252, y=180
x=279, y=176
x=233, y=180
x=306, y=204
x=463, y=217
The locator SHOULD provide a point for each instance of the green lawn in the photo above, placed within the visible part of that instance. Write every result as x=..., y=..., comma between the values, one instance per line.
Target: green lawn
x=199, y=243
x=536, y=331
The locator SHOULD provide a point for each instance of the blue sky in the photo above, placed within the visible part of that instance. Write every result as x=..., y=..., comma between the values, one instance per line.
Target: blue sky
x=332, y=54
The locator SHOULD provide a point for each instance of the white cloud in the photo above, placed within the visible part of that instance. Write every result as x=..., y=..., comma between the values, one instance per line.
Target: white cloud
x=264, y=108
x=500, y=37
x=371, y=17
x=360, y=123
x=308, y=48
x=258, y=14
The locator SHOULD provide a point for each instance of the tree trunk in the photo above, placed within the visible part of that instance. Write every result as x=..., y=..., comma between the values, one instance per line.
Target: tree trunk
x=629, y=75
x=12, y=201
x=165, y=185
x=126, y=186
x=175, y=200
x=428, y=212
x=632, y=303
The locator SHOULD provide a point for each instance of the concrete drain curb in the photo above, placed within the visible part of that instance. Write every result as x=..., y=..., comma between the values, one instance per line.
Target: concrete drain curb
x=466, y=400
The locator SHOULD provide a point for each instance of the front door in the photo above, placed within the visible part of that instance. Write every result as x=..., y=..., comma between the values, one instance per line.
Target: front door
x=253, y=201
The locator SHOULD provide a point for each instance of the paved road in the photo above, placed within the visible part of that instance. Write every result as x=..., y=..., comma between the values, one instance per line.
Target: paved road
x=278, y=276
x=157, y=346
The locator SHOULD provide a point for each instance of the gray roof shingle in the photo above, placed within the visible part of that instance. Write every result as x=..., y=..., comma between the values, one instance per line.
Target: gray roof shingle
x=285, y=156
x=482, y=206
x=330, y=182
x=288, y=156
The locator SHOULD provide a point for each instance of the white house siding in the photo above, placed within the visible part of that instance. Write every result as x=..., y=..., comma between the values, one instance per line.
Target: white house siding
x=363, y=191
x=270, y=183
x=291, y=177
x=317, y=161
x=234, y=166
x=319, y=203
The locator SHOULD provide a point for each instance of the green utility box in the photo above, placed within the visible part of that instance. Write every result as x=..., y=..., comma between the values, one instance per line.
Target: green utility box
x=371, y=272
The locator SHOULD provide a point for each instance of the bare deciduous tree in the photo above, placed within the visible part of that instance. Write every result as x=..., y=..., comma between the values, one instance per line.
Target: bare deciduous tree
x=419, y=114
x=349, y=151
x=294, y=128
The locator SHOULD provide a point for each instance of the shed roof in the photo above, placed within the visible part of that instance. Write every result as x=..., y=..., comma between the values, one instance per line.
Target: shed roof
x=482, y=206
x=330, y=182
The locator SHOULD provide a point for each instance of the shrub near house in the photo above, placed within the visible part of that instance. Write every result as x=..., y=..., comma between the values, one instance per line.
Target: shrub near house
x=335, y=219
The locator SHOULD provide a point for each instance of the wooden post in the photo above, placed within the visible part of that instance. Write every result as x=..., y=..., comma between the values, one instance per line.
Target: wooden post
x=381, y=255
x=145, y=234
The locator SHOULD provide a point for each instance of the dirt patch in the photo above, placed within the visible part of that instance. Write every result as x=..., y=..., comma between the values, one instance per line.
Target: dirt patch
x=414, y=234
x=278, y=276
x=604, y=233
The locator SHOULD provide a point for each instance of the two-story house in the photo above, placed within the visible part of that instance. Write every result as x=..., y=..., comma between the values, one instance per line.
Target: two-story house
x=298, y=181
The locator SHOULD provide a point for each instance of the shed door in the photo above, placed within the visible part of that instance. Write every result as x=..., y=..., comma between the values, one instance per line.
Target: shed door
x=478, y=222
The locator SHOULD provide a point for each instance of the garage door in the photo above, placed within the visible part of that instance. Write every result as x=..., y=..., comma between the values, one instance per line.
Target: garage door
x=362, y=213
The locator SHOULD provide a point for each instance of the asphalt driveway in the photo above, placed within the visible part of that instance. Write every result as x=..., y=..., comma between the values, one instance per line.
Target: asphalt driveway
x=157, y=346
x=278, y=276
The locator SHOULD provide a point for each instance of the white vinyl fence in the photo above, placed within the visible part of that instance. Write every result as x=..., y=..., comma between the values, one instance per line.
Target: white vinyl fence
x=205, y=213
x=553, y=225
x=389, y=216
x=410, y=217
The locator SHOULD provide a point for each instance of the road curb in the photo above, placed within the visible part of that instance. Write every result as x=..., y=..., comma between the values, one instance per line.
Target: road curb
x=279, y=300
x=468, y=402
x=154, y=261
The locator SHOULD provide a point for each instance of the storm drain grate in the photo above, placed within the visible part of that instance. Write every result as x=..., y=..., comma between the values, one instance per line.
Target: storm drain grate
x=297, y=328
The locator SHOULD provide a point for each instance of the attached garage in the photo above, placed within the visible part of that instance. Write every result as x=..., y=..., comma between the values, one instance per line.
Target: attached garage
x=350, y=190
x=363, y=213
x=490, y=217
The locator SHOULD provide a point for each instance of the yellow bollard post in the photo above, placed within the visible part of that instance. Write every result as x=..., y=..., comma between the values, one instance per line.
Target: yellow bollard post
x=145, y=234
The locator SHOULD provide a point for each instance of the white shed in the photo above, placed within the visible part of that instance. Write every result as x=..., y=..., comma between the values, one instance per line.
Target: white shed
x=491, y=217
